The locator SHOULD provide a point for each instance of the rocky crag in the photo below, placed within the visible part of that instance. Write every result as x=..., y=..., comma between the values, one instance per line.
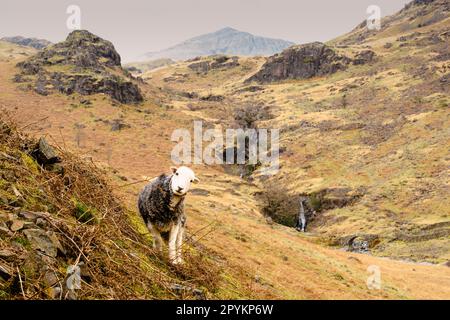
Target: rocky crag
x=84, y=63
x=306, y=61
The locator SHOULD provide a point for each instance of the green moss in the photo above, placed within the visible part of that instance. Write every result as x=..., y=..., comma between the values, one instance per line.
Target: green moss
x=136, y=222
x=6, y=196
x=56, y=59
x=4, y=295
x=30, y=163
x=3, y=184
x=83, y=212
x=308, y=60
x=23, y=242
x=63, y=68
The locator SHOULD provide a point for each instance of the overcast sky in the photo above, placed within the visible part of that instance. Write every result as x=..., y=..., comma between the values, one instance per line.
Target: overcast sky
x=139, y=26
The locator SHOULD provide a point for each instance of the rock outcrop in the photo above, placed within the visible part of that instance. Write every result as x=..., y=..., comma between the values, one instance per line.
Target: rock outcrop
x=364, y=57
x=218, y=62
x=84, y=63
x=306, y=61
x=301, y=62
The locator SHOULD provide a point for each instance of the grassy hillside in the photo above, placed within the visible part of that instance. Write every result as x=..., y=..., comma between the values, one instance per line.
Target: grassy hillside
x=83, y=222
x=9, y=51
x=373, y=136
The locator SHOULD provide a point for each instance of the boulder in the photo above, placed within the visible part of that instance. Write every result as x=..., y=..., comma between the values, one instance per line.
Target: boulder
x=6, y=272
x=200, y=67
x=44, y=241
x=122, y=91
x=33, y=216
x=5, y=232
x=7, y=255
x=118, y=124
x=16, y=225
x=223, y=62
x=363, y=57
x=44, y=153
x=360, y=243
x=181, y=289
x=212, y=97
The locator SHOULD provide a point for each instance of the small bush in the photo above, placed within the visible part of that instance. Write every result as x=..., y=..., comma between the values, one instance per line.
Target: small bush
x=316, y=202
x=279, y=205
x=247, y=116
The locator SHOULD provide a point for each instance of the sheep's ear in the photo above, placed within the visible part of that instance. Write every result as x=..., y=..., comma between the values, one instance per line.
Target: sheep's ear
x=196, y=180
x=173, y=169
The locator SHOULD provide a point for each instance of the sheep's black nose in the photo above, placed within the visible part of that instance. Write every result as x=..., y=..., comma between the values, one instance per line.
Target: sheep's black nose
x=180, y=189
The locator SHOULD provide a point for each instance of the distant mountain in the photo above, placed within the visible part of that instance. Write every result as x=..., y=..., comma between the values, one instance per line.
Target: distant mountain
x=28, y=42
x=224, y=41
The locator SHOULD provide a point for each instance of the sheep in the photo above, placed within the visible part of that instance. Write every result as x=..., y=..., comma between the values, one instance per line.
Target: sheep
x=301, y=219
x=161, y=205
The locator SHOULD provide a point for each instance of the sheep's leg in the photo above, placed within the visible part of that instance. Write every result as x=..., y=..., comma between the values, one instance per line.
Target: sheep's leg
x=179, y=243
x=173, y=242
x=157, y=240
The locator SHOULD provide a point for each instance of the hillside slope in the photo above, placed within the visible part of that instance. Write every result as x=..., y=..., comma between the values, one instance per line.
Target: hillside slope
x=240, y=250
x=59, y=213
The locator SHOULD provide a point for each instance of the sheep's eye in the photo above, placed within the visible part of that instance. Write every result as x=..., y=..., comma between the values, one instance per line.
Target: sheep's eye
x=192, y=180
x=176, y=173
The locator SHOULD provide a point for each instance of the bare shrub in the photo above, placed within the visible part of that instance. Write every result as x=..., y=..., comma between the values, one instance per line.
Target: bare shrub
x=279, y=205
x=247, y=116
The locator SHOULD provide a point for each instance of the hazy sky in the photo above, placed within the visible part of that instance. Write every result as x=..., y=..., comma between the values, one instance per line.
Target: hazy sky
x=139, y=26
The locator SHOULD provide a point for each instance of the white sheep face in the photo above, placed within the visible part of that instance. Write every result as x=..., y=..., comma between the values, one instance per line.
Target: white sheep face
x=181, y=180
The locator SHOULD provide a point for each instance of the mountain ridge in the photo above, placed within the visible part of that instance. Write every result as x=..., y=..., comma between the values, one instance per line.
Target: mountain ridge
x=28, y=42
x=223, y=41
